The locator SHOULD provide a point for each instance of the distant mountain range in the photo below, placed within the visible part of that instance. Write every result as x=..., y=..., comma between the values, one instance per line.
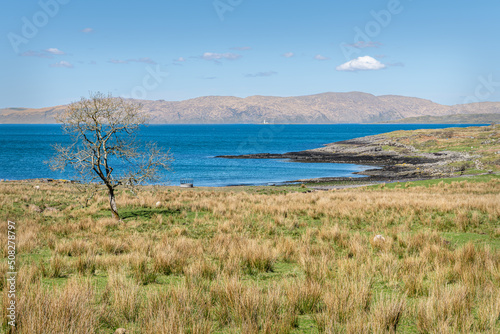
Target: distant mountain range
x=353, y=107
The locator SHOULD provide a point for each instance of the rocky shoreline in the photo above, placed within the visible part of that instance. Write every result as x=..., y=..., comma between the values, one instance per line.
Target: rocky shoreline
x=394, y=161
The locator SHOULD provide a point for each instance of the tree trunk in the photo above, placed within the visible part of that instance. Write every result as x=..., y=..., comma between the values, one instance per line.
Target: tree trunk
x=112, y=203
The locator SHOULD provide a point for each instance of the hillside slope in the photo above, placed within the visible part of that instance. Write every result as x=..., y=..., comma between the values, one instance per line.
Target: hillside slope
x=353, y=107
x=451, y=119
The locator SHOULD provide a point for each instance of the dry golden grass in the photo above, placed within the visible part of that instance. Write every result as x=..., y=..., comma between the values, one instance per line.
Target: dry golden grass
x=240, y=261
x=66, y=310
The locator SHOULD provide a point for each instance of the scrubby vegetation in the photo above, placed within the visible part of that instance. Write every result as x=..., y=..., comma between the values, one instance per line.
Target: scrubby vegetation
x=243, y=260
x=480, y=143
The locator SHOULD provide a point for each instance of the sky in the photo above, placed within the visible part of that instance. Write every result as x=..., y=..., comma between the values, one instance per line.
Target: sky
x=54, y=52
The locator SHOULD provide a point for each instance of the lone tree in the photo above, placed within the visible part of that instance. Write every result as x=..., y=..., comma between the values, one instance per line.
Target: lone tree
x=105, y=147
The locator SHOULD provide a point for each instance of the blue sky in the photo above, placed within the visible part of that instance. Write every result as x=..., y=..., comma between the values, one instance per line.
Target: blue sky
x=55, y=51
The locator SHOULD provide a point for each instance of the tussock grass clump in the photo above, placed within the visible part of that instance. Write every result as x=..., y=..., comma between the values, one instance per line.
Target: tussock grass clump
x=29, y=240
x=4, y=268
x=448, y=309
x=86, y=265
x=257, y=258
x=252, y=309
x=306, y=296
x=347, y=297
x=201, y=269
x=412, y=274
x=168, y=262
x=183, y=309
x=114, y=246
x=141, y=270
x=68, y=310
x=316, y=269
x=123, y=297
x=54, y=269
x=488, y=310
x=27, y=275
x=387, y=313
x=172, y=256
x=73, y=248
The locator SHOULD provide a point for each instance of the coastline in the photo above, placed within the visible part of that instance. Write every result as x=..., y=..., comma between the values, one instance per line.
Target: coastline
x=392, y=160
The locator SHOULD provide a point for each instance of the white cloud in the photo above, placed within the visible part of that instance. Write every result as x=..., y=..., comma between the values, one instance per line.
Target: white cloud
x=118, y=61
x=136, y=60
x=62, y=63
x=180, y=59
x=220, y=56
x=32, y=53
x=87, y=30
x=144, y=60
x=54, y=51
x=261, y=74
x=320, y=57
x=288, y=55
x=365, y=63
x=47, y=53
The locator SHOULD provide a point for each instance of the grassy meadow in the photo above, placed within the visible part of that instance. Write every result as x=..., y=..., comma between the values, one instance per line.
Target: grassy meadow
x=257, y=259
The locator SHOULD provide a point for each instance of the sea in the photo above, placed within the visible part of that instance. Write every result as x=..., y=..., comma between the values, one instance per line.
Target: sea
x=25, y=149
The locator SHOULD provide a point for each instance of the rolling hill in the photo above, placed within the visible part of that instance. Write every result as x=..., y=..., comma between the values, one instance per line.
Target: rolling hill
x=353, y=107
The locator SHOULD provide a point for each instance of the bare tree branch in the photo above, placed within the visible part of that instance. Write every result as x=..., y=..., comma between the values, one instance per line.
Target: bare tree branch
x=104, y=145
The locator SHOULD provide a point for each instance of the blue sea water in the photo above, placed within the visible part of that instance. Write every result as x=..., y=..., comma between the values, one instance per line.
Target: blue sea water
x=24, y=148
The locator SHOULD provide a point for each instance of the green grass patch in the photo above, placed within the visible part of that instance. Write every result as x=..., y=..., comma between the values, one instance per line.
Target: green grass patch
x=432, y=182
x=460, y=239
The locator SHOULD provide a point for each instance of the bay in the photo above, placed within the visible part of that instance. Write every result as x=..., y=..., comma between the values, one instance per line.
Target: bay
x=25, y=148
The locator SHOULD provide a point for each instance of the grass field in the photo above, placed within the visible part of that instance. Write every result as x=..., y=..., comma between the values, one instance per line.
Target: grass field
x=257, y=260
